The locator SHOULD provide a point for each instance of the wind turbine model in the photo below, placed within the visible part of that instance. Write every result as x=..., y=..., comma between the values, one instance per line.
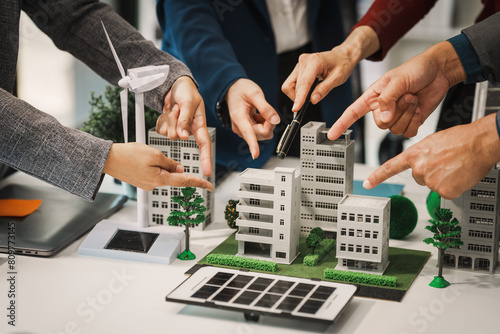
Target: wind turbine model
x=113, y=239
x=138, y=80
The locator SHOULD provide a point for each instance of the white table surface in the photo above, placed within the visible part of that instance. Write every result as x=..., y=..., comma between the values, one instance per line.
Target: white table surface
x=69, y=293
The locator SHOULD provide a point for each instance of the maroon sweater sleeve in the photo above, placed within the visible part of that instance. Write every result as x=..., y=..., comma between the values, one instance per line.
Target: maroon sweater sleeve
x=391, y=19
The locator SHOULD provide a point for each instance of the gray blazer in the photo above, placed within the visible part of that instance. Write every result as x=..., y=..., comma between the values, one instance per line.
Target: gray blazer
x=36, y=143
x=485, y=38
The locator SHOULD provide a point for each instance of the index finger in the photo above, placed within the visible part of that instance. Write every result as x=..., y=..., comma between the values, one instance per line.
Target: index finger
x=185, y=180
x=390, y=168
x=246, y=130
x=202, y=138
x=355, y=111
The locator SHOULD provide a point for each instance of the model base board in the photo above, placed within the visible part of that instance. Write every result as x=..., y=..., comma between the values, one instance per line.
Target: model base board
x=126, y=241
x=400, y=266
x=259, y=293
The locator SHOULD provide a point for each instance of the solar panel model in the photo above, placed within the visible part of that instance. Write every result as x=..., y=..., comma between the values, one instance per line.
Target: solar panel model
x=259, y=293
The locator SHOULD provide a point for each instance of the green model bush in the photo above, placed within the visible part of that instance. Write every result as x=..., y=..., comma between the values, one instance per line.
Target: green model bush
x=325, y=247
x=241, y=262
x=404, y=217
x=364, y=278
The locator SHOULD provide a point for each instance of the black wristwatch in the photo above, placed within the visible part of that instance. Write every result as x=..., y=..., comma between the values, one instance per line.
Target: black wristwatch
x=222, y=112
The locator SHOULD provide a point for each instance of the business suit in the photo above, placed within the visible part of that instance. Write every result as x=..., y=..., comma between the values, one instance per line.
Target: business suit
x=223, y=41
x=34, y=142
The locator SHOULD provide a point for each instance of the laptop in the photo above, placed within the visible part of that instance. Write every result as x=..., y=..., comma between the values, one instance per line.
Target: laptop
x=60, y=220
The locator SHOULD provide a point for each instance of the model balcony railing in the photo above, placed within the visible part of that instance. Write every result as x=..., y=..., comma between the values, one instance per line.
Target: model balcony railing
x=257, y=188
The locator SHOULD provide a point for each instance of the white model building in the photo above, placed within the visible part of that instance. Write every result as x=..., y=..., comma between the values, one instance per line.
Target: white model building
x=478, y=214
x=363, y=233
x=187, y=153
x=269, y=214
x=327, y=175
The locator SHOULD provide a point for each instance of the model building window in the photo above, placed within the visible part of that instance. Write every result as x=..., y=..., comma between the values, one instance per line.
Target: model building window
x=368, y=219
x=375, y=250
x=253, y=230
x=343, y=231
x=488, y=180
x=164, y=205
x=282, y=207
x=482, y=207
x=282, y=221
x=254, y=216
x=375, y=234
x=175, y=191
x=282, y=193
x=174, y=206
x=343, y=216
x=367, y=234
x=155, y=191
x=186, y=156
x=283, y=178
x=360, y=218
x=254, y=187
x=196, y=156
x=376, y=219
x=359, y=233
x=164, y=192
x=359, y=249
x=480, y=234
x=282, y=236
x=351, y=232
x=482, y=193
x=351, y=217
x=157, y=218
x=187, y=169
x=281, y=255
x=342, y=247
x=155, y=204
x=254, y=201
x=367, y=249
x=481, y=221
x=350, y=248
x=196, y=170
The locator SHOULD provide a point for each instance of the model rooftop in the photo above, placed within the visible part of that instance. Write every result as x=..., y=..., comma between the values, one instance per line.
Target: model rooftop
x=265, y=175
x=320, y=128
x=364, y=201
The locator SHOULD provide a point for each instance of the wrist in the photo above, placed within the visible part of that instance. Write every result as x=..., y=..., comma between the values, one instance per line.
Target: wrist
x=444, y=56
x=361, y=43
x=486, y=138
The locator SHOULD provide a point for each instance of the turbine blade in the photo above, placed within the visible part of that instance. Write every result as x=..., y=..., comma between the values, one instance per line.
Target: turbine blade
x=124, y=102
x=120, y=67
x=147, y=83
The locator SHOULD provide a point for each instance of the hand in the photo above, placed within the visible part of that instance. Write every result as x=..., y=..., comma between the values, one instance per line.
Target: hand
x=244, y=98
x=149, y=171
x=448, y=162
x=333, y=67
x=183, y=115
x=403, y=98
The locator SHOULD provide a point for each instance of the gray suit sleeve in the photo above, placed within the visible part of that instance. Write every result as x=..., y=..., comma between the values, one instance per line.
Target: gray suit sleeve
x=37, y=144
x=485, y=38
x=75, y=26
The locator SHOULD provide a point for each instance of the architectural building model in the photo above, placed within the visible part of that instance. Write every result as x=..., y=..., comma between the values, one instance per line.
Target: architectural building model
x=363, y=233
x=187, y=153
x=269, y=214
x=327, y=169
x=478, y=214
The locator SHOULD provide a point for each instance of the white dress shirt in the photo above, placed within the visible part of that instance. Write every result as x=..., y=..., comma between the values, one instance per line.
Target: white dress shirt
x=290, y=24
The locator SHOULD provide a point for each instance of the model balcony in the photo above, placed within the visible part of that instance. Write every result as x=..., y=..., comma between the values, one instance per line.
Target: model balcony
x=255, y=205
x=252, y=217
x=252, y=237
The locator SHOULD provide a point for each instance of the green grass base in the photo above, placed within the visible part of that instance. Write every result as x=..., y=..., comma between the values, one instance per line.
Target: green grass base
x=439, y=282
x=404, y=263
x=186, y=255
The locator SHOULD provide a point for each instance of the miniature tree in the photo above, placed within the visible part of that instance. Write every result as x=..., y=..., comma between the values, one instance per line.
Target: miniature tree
x=446, y=234
x=315, y=237
x=230, y=214
x=193, y=214
x=404, y=217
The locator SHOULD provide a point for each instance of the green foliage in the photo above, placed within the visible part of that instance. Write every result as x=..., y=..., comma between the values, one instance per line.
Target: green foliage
x=315, y=237
x=230, y=214
x=105, y=118
x=404, y=217
x=433, y=202
x=363, y=278
x=193, y=213
x=446, y=231
x=241, y=262
x=325, y=247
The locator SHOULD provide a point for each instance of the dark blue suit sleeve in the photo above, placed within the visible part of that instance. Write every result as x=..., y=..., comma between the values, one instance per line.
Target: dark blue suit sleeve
x=192, y=32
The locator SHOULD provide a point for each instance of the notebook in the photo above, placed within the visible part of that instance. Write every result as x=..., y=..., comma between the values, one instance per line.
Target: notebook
x=60, y=220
